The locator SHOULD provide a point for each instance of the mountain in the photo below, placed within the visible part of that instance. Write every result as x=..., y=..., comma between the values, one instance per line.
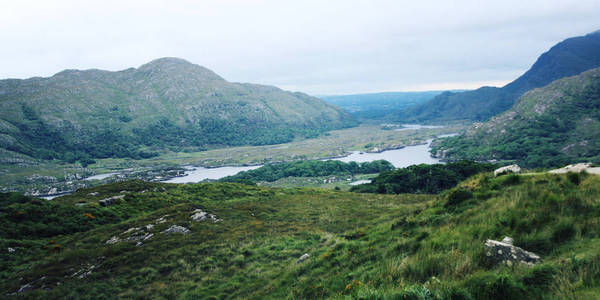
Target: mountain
x=549, y=126
x=166, y=103
x=567, y=58
x=378, y=105
x=232, y=241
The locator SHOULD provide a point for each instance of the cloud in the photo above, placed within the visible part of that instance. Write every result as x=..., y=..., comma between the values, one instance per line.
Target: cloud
x=319, y=47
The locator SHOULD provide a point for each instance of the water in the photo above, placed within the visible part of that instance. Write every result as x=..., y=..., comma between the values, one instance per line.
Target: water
x=100, y=176
x=360, y=182
x=197, y=174
x=416, y=126
x=400, y=158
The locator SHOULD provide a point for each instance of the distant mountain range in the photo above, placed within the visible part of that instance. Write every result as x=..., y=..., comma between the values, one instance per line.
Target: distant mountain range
x=379, y=105
x=569, y=57
x=167, y=103
x=550, y=126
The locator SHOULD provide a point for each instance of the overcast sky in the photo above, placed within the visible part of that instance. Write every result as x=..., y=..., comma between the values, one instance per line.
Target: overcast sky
x=319, y=47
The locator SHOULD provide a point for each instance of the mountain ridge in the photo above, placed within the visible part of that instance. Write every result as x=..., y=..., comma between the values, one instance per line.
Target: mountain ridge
x=548, y=126
x=166, y=103
x=567, y=58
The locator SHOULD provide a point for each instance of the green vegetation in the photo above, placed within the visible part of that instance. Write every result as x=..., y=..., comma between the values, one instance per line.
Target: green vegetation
x=426, y=179
x=567, y=58
x=365, y=246
x=167, y=104
x=552, y=126
x=309, y=168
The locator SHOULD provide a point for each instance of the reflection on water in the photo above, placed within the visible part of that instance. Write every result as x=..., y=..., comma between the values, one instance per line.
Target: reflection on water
x=197, y=174
x=400, y=158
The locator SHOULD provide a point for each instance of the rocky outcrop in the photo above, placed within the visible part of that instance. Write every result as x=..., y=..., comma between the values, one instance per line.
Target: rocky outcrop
x=302, y=258
x=507, y=169
x=110, y=201
x=577, y=168
x=200, y=215
x=505, y=253
x=176, y=229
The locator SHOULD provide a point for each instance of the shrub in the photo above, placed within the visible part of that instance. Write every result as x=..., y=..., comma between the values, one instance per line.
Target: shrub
x=457, y=196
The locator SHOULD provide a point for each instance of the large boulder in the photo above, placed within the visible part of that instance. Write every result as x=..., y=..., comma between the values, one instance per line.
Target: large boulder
x=200, y=215
x=176, y=229
x=504, y=252
x=577, y=168
x=507, y=169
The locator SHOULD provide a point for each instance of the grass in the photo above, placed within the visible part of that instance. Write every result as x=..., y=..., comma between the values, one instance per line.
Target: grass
x=363, y=246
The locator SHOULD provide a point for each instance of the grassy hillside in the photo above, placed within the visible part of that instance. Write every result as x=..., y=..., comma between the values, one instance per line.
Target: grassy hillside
x=550, y=126
x=366, y=246
x=567, y=58
x=167, y=103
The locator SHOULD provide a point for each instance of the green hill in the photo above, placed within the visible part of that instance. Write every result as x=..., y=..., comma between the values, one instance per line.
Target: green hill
x=567, y=58
x=168, y=103
x=364, y=246
x=549, y=126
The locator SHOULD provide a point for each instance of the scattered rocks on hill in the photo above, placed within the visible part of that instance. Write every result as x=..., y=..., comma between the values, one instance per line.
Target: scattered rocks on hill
x=302, y=258
x=176, y=229
x=507, y=169
x=110, y=201
x=200, y=215
x=577, y=168
x=504, y=252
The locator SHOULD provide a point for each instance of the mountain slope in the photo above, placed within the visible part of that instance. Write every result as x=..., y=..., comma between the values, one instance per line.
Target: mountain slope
x=360, y=246
x=167, y=103
x=549, y=126
x=567, y=58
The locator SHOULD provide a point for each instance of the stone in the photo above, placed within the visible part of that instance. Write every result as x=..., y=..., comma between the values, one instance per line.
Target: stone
x=507, y=240
x=200, y=215
x=507, y=169
x=93, y=194
x=11, y=250
x=302, y=258
x=576, y=168
x=504, y=252
x=176, y=229
x=113, y=240
x=110, y=201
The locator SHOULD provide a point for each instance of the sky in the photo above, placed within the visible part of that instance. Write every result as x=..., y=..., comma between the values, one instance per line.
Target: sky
x=317, y=47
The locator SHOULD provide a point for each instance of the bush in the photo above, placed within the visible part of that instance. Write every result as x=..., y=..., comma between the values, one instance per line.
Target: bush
x=457, y=196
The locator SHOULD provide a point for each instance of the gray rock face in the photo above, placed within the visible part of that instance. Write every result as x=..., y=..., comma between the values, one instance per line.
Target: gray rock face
x=200, y=215
x=110, y=201
x=176, y=229
x=504, y=252
x=507, y=169
x=577, y=168
x=302, y=258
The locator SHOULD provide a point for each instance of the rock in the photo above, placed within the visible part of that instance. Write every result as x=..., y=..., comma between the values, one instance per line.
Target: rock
x=11, y=250
x=24, y=288
x=577, y=168
x=504, y=252
x=507, y=169
x=149, y=227
x=200, y=215
x=93, y=194
x=113, y=240
x=176, y=229
x=302, y=258
x=111, y=200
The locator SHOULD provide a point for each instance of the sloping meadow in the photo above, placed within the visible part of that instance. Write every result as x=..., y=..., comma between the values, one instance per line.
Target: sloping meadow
x=366, y=246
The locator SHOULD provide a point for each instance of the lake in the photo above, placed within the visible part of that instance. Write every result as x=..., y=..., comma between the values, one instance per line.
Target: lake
x=400, y=158
x=197, y=174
